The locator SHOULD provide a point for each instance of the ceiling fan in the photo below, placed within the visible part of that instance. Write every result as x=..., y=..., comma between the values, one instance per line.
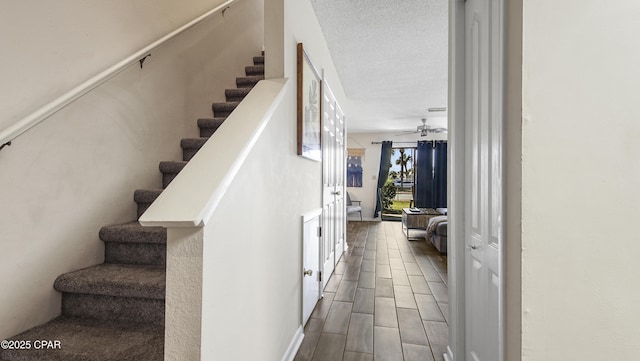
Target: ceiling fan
x=425, y=129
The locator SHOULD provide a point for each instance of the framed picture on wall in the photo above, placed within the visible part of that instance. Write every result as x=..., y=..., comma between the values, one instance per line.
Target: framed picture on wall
x=354, y=167
x=309, y=108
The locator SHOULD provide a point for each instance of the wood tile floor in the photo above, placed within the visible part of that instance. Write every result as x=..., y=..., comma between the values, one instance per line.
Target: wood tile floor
x=386, y=301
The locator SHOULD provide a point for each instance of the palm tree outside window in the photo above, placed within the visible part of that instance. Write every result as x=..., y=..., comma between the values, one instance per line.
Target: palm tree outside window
x=402, y=176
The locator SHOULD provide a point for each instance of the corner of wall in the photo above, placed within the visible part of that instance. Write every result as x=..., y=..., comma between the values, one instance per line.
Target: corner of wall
x=274, y=24
x=513, y=182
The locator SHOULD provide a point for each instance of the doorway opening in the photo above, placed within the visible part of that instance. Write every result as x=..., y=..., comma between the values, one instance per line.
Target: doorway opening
x=399, y=189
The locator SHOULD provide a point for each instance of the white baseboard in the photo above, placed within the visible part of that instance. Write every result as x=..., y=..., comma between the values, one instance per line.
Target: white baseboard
x=294, y=345
x=448, y=356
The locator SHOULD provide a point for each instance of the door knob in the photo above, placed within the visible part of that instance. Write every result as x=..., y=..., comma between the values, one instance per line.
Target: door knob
x=307, y=272
x=472, y=247
x=336, y=193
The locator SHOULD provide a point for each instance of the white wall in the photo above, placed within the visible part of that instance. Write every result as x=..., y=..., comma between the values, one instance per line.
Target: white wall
x=263, y=284
x=298, y=25
x=256, y=230
x=580, y=177
x=75, y=172
x=253, y=248
x=371, y=164
x=50, y=47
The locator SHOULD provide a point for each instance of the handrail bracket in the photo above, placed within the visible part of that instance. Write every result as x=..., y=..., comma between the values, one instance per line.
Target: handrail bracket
x=143, y=59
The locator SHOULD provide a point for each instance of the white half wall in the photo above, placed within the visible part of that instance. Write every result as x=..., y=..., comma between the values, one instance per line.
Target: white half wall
x=580, y=178
x=77, y=171
x=371, y=165
x=252, y=260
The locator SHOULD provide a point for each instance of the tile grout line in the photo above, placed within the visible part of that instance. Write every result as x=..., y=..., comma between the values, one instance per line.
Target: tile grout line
x=413, y=252
x=386, y=234
x=394, y=296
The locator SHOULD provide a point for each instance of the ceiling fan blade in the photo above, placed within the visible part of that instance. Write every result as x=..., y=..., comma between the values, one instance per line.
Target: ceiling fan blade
x=405, y=133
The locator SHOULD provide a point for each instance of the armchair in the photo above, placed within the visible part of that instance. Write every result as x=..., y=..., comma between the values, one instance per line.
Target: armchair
x=351, y=208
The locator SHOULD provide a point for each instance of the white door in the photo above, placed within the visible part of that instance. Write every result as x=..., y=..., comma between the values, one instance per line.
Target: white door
x=311, y=285
x=333, y=150
x=329, y=209
x=341, y=170
x=483, y=184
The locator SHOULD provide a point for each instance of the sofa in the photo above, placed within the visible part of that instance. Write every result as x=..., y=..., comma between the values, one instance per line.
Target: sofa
x=437, y=231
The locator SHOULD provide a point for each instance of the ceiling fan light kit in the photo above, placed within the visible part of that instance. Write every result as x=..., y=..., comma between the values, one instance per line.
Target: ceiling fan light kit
x=425, y=129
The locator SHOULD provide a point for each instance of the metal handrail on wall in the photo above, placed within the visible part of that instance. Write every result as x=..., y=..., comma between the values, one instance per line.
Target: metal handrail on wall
x=33, y=119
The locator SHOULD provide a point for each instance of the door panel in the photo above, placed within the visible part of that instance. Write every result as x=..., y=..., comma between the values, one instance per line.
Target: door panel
x=340, y=168
x=328, y=249
x=311, y=264
x=483, y=210
x=333, y=158
x=328, y=188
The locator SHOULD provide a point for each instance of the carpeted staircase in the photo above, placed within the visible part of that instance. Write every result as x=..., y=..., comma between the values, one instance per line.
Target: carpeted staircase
x=115, y=310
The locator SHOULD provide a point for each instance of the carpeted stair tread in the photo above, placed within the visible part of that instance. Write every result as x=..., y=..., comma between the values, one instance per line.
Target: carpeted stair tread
x=190, y=147
x=146, y=195
x=111, y=308
x=131, y=243
x=144, y=198
x=223, y=109
x=248, y=81
x=225, y=106
x=237, y=94
x=210, y=122
x=87, y=340
x=151, y=254
x=115, y=280
x=254, y=70
x=170, y=170
x=192, y=143
x=172, y=166
x=208, y=126
x=133, y=232
x=258, y=60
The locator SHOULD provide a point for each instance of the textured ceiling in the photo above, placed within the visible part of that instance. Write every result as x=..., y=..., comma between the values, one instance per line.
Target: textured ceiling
x=391, y=57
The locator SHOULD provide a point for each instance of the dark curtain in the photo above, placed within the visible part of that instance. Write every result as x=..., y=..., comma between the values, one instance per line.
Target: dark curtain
x=424, y=197
x=383, y=174
x=440, y=175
